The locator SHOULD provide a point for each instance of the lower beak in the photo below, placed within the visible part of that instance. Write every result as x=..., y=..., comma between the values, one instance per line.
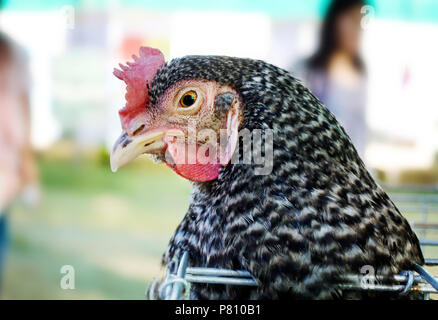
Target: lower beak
x=127, y=148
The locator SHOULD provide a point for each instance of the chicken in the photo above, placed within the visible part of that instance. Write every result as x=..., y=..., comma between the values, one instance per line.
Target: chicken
x=316, y=216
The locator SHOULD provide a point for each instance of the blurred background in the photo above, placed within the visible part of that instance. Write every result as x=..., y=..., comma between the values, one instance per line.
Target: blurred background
x=69, y=209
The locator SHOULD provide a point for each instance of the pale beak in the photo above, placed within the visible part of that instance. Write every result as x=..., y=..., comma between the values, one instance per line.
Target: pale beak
x=127, y=147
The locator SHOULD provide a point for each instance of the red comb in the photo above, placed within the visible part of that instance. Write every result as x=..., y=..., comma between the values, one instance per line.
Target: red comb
x=137, y=75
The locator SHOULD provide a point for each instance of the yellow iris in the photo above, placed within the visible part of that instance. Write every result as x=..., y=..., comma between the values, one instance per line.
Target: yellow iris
x=188, y=99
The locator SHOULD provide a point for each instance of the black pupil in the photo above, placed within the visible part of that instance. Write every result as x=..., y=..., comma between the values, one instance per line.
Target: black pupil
x=188, y=100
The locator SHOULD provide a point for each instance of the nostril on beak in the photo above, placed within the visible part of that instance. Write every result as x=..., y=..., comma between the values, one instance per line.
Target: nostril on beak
x=149, y=143
x=138, y=130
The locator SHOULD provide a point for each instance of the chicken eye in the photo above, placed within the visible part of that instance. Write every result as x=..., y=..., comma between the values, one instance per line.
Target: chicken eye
x=188, y=99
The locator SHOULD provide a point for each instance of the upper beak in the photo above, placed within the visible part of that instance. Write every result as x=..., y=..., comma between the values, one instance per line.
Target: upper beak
x=127, y=147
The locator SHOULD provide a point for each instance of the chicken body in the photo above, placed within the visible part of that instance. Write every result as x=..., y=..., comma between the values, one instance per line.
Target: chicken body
x=318, y=216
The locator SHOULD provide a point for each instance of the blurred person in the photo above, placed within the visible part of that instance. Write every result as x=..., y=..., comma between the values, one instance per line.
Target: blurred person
x=18, y=174
x=335, y=73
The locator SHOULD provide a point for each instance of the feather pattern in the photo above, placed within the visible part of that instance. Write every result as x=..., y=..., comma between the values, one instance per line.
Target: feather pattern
x=319, y=214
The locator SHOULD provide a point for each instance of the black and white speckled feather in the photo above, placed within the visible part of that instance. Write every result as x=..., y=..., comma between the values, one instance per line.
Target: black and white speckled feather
x=317, y=216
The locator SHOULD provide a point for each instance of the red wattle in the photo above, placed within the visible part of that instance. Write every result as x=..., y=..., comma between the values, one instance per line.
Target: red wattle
x=180, y=163
x=197, y=172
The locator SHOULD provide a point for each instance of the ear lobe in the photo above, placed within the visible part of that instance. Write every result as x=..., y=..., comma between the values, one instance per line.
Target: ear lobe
x=232, y=133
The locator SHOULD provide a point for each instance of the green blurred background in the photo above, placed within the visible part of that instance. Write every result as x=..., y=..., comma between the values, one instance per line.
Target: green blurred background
x=112, y=228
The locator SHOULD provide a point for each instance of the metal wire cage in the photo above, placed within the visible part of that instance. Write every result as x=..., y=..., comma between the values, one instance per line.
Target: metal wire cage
x=180, y=276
